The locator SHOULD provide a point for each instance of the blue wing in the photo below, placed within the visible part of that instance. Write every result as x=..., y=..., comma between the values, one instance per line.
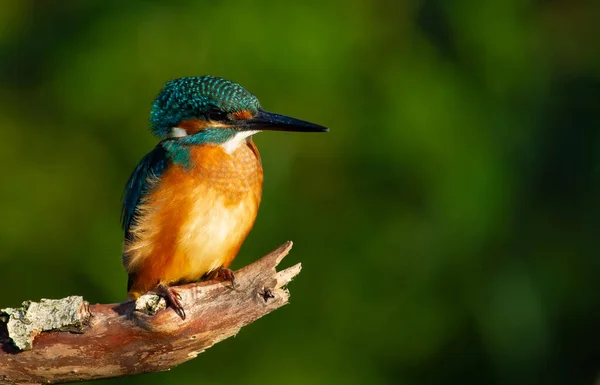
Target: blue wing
x=152, y=165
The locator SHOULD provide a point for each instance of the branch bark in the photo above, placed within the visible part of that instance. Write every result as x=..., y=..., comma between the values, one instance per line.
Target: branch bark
x=114, y=340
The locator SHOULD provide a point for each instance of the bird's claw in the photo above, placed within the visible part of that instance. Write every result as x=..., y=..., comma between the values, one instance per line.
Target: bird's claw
x=226, y=275
x=172, y=297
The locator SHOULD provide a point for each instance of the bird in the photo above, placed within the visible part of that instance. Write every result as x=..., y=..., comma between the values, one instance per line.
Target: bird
x=190, y=202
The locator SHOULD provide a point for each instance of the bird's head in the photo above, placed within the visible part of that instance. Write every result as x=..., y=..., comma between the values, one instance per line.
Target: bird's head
x=208, y=109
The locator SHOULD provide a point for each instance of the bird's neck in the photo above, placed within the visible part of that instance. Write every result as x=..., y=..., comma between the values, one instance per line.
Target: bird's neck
x=237, y=154
x=179, y=148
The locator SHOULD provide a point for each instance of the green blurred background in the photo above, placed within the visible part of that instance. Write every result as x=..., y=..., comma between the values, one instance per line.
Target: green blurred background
x=447, y=225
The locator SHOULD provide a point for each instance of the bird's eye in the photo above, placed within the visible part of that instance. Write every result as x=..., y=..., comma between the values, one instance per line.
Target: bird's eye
x=216, y=115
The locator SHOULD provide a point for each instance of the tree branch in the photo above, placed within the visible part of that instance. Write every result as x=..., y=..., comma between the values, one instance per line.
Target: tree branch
x=114, y=340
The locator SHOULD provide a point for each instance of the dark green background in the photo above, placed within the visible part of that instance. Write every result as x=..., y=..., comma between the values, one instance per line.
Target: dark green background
x=447, y=225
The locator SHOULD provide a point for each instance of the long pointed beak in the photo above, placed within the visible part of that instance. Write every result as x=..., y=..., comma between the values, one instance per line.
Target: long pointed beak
x=268, y=121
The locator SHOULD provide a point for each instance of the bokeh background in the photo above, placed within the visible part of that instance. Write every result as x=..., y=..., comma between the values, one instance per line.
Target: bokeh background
x=447, y=225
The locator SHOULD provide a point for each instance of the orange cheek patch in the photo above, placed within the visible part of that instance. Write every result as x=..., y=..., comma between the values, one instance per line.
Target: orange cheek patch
x=192, y=126
x=241, y=115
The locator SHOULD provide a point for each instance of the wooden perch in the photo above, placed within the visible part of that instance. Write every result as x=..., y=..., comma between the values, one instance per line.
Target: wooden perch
x=89, y=342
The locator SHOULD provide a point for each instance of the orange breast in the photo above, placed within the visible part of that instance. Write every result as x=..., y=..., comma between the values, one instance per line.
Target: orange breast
x=195, y=219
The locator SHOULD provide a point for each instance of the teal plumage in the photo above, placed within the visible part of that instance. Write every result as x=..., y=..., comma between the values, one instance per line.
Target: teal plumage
x=151, y=166
x=196, y=97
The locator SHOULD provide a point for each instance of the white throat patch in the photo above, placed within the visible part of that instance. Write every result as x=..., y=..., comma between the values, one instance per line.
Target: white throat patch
x=177, y=132
x=232, y=144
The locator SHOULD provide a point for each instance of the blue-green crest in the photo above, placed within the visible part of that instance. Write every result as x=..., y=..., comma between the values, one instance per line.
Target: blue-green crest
x=194, y=98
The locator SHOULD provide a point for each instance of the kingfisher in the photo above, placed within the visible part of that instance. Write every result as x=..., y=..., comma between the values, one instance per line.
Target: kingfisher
x=190, y=202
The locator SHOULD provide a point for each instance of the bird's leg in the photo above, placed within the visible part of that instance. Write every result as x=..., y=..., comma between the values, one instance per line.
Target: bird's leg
x=226, y=274
x=172, y=297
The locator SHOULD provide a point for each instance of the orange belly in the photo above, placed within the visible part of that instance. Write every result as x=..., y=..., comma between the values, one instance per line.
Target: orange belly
x=195, y=219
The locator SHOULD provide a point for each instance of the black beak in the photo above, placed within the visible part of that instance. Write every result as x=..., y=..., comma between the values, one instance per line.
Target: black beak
x=268, y=121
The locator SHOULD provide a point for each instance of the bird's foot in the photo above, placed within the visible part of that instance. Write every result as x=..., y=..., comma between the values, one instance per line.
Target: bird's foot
x=172, y=297
x=226, y=275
